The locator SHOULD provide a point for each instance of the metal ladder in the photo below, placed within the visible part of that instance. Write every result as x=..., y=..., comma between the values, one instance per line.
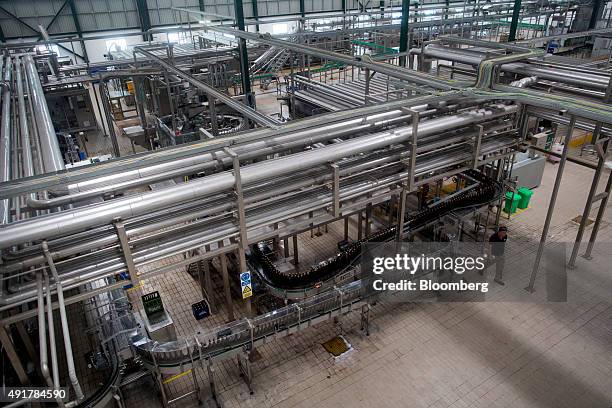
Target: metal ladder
x=275, y=67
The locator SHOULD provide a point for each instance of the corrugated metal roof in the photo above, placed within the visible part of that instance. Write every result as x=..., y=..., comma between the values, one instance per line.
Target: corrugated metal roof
x=98, y=15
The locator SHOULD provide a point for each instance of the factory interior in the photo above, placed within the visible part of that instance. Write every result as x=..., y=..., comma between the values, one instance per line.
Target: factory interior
x=191, y=192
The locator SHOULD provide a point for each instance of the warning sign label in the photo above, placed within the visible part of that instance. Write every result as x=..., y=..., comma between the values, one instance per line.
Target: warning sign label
x=246, y=285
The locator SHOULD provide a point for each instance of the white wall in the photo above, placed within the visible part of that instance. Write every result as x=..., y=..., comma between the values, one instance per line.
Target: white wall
x=602, y=47
x=269, y=27
x=96, y=49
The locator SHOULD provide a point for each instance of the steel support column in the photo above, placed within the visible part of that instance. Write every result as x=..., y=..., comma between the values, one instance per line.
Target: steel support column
x=597, y=9
x=401, y=211
x=477, y=144
x=368, y=219
x=124, y=242
x=404, y=31
x=77, y=26
x=145, y=19
x=241, y=215
x=208, y=281
x=551, y=206
x=107, y=110
x=516, y=12
x=226, y=285
x=346, y=228
x=296, y=259
x=212, y=108
x=413, y=148
x=367, y=85
x=392, y=204
x=335, y=190
x=302, y=9
x=276, y=241
x=595, y=183
x=255, y=13
x=606, y=194
x=600, y=214
x=244, y=55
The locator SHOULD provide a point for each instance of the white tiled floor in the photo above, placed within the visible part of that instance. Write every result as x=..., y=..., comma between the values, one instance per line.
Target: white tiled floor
x=573, y=192
x=502, y=354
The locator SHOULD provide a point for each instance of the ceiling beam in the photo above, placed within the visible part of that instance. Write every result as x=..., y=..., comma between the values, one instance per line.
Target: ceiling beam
x=77, y=26
x=14, y=17
x=54, y=18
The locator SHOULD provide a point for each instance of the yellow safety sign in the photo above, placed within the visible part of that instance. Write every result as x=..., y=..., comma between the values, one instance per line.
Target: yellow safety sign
x=246, y=292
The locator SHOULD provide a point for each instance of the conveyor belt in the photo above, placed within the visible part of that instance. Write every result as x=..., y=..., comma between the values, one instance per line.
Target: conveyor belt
x=486, y=191
x=235, y=337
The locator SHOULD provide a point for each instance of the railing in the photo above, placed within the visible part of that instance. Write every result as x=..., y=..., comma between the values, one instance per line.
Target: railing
x=243, y=334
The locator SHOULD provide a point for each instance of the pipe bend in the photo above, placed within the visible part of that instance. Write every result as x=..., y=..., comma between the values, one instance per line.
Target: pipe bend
x=37, y=204
x=64, y=320
x=48, y=203
x=42, y=331
x=524, y=82
x=46, y=371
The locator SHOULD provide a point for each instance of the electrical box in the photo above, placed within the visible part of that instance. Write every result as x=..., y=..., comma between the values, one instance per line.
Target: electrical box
x=157, y=321
x=542, y=140
x=152, y=304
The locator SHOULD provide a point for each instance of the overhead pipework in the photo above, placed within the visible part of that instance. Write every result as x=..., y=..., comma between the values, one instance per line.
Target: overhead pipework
x=162, y=160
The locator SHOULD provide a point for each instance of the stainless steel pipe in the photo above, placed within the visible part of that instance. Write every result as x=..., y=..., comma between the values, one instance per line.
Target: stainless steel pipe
x=50, y=150
x=5, y=137
x=42, y=332
x=26, y=148
x=210, y=161
x=79, y=219
x=65, y=330
x=584, y=80
x=273, y=212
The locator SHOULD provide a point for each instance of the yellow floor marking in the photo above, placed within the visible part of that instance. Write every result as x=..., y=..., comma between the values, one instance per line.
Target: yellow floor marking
x=176, y=377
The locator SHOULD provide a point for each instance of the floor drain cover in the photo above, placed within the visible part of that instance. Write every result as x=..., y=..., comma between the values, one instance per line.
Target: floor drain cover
x=578, y=220
x=337, y=346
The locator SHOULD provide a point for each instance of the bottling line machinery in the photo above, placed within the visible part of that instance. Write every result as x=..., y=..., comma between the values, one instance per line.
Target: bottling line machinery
x=223, y=179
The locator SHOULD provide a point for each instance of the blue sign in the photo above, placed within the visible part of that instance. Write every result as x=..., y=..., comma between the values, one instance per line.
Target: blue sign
x=245, y=284
x=245, y=278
